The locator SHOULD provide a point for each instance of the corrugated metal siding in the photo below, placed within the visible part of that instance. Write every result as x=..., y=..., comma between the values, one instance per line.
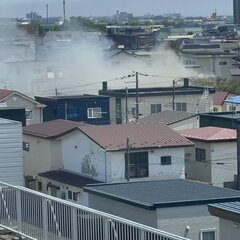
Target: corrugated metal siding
x=11, y=156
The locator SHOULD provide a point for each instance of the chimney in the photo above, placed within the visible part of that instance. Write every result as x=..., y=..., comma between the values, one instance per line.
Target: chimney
x=104, y=86
x=186, y=82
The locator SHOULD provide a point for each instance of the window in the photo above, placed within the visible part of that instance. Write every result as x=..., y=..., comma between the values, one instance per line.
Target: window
x=232, y=108
x=200, y=154
x=134, y=112
x=28, y=114
x=138, y=165
x=182, y=107
x=53, y=192
x=75, y=196
x=69, y=194
x=26, y=146
x=208, y=234
x=215, y=109
x=166, y=160
x=94, y=112
x=156, y=108
x=39, y=186
x=222, y=63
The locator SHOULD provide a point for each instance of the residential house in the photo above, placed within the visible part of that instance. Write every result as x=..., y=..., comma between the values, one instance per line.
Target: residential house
x=229, y=219
x=213, y=158
x=178, y=205
x=174, y=119
x=109, y=153
x=65, y=185
x=92, y=109
x=220, y=119
x=11, y=156
x=153, y=100
x=219, y=104
x=211, y=58
x=42, y=147
x=14, y=99
x=233, y=103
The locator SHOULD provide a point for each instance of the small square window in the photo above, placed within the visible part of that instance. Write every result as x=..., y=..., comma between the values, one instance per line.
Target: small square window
x=166, y=160
x=26, y=146
x=75, y=196
x=208, y=234
x=70, y=195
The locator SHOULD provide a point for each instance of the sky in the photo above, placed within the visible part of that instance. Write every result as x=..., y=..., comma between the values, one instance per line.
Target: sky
x=18, y=8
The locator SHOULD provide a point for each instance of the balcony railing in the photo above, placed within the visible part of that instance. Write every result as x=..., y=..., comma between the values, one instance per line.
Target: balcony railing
x=39, y=216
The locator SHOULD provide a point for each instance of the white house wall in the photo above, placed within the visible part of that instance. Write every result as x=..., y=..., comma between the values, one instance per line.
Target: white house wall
x=83, y=156
x=177, y=219
x=11, y=156
x=224, y=162
x=228, y=230
x=43, y=155
x=190, y=123
x=198, y=170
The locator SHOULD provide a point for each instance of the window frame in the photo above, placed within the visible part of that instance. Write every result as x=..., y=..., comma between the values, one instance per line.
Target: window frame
x=29, y=114
x=137, y=167
x=181, y=106
x=70, y=194
x=156, y=108
x=94, y=113
x=166, y=163
x=199, y=152
x=26, y=146
x=207, y=231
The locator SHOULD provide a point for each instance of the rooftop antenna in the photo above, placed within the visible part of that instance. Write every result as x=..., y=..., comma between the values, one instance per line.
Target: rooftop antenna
x=47, y=11
x=64, y=11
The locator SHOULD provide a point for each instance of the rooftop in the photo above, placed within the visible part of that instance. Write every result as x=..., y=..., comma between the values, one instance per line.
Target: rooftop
x=51, y=129
x=68, y=178
x=226, y=210
x=168, y=117
x=164, y=193
x=141, y=135
x=219, y=97
x=5, y=93
x=210, y=134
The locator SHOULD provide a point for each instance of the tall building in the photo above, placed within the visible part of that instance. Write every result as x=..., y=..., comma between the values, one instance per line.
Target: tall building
x=236, y=11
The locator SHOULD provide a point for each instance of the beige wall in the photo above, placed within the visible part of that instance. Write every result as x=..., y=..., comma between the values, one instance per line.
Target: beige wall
x=43, y=155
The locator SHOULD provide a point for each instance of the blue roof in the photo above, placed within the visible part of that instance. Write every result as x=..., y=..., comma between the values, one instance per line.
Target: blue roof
x=235, y=100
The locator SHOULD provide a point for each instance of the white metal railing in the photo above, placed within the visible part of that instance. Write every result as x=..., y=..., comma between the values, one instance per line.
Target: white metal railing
x=39, y=216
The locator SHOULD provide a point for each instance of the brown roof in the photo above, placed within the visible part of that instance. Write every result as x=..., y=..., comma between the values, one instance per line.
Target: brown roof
x=168, y=117
x=219, y=97
x=210, y=134
x=4, y=93
x=141, y=135
x=51, y=129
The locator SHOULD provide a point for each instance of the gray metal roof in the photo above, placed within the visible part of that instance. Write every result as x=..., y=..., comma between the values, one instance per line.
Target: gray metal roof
x=164, y=193
x=228, y=206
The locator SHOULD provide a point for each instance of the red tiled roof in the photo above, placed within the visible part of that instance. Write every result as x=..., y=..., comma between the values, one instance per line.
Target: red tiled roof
x=141, y=135
x=210, y=134
x=219, y=97
x=51, y=129
x=4, y=93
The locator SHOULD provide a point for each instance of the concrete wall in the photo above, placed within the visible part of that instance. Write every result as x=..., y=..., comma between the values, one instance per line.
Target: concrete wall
x=223, y=162
x=17, y=100
x=85, y=157
x=171, y=219
x=195, y=169
x=219, y=167
x=147, y=217
x=228, y=230
x=82, y=197
x=43, y=155
x=11, y=157
x=176, y=219
x=190, y=123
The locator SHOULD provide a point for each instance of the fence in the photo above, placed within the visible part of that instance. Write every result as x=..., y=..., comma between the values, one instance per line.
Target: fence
x=39, y=216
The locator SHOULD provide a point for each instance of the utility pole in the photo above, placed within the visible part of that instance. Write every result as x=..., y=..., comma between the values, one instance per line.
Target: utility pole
x=128, y=161
x=64, y=11
x=56, y=92
x=126, y=105
x=238, y=154
x=47, y=12
x=173, y=100
x=137, y=99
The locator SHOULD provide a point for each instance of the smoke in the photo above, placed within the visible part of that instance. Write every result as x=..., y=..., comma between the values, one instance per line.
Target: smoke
x=74, y=63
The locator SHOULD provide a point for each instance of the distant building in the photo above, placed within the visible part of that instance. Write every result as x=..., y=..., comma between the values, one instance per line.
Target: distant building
x=236, y=11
